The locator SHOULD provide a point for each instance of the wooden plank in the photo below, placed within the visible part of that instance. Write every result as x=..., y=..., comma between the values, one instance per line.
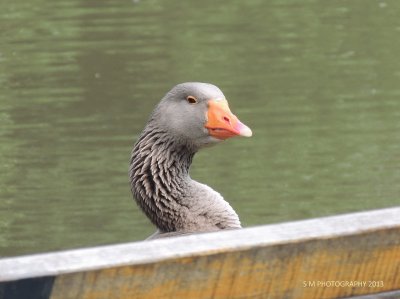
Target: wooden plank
x=385, y=295
x=331, y=257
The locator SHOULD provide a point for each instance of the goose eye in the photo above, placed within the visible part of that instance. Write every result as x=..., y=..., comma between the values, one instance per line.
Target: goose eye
x=191, y=100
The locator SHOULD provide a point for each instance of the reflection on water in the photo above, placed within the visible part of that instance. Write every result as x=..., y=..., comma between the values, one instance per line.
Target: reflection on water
x=317, y=82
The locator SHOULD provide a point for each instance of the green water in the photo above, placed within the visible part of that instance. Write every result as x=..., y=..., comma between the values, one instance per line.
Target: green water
x=317, y=81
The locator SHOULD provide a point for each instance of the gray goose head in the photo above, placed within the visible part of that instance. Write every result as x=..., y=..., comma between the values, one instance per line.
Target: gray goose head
x=189, y=117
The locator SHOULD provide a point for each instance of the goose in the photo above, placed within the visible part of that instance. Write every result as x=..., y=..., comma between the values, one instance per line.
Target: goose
x=191, y=116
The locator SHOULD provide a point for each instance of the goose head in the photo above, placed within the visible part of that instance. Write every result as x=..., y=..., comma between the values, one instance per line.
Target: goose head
x=189, y=117
x=198, y=115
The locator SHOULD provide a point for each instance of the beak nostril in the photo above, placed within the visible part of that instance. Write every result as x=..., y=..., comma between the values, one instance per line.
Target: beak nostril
x=226, y=119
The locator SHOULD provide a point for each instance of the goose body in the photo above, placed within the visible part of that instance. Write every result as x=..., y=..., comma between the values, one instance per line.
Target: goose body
x=191, y=116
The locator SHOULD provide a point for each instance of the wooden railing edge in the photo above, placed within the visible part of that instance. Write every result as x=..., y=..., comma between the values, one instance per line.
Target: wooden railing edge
x=312, y=243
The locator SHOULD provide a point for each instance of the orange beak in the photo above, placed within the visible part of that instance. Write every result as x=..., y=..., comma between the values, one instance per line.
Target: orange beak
x=222, y=123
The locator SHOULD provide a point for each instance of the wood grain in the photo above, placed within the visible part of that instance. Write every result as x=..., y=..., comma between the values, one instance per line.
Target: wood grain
x=332, y=257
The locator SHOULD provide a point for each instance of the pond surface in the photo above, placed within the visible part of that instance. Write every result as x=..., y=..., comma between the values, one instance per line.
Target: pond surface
x=317, y=81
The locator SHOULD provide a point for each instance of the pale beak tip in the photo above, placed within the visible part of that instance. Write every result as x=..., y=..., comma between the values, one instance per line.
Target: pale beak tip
x=245, y=131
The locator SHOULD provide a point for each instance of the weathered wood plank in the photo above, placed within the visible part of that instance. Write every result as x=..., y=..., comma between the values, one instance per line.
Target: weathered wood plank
x=331, y=257
x=385, y=295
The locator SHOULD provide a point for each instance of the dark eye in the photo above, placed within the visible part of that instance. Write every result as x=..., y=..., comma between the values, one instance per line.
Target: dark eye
x=191, y=100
